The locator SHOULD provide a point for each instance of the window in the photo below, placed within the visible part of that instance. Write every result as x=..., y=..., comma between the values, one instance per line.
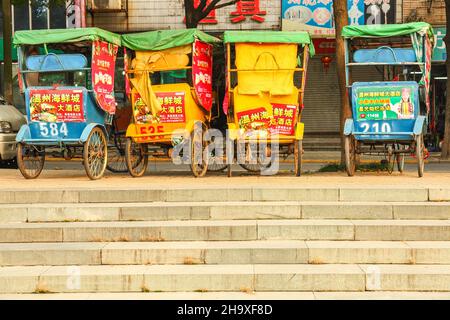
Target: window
x=42, y=15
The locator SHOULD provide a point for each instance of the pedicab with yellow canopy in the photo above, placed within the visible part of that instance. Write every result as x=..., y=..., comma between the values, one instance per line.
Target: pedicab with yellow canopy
x=266, y=77
x=67, y=76
x=170, y=82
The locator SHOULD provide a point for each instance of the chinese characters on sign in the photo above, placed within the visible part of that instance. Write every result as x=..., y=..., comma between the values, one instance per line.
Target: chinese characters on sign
x=248, y=8
x=211, y=18
x=202, y=61
x=56, y=105
x=103, y=68
x=281, y=121
x=243, y=9
x=172, y=104
x=440, y=51
x=381, y=103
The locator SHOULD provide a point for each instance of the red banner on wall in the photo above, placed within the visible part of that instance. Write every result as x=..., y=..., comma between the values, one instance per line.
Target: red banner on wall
x=103, y=69
x=202, y=61
x=56, y=105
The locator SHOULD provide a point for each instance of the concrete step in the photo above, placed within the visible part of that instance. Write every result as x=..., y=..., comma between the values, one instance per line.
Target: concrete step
x=235, y=210
x=202, y=296
x=210, y=278
x=223, y=194
x=227, y=230
x=225, y=252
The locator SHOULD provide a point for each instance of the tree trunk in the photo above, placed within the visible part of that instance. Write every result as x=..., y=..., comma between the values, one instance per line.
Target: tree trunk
x=190, y=14
x=7, y=60
x=446, y=143
x=341, y=20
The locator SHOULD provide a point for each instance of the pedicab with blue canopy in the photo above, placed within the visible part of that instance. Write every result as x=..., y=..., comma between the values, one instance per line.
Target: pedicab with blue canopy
x=387, y=117
x=67, y=76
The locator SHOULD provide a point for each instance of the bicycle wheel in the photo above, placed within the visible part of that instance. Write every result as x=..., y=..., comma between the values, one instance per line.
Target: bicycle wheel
x=30, y=160
x=117, y=162
x=136, y=155
x=95, y=154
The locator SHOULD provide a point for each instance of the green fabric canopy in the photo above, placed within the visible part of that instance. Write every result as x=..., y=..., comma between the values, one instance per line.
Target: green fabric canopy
x=299, y=37
x=164, y=39
x=36, y=37
x=386, y=30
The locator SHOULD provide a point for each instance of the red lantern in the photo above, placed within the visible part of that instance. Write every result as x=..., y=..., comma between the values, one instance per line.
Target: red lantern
x=326, y=61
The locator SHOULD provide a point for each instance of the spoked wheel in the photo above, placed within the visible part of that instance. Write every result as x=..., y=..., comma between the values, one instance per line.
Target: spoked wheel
x=298, y=155
x=199, y=163
x=260, y=163
x=95, y=154
x=391, y=159
x=420, y=154
x=350, y=155
x=216, y=161
x=136, y=156
x=400, y=159
x=116, y=153
x=30, y=160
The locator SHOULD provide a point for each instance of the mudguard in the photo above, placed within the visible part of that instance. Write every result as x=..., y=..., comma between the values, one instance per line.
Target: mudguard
x=348, y=128
x=89, y=128
x=419, y=125
x=23, y=134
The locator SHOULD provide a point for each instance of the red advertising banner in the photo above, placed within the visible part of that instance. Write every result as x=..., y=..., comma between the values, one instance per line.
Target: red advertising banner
x=56, y=105
x=103, y=68
x=173, y=107
x=254, y=119
x=202, y=73
x=284, y=119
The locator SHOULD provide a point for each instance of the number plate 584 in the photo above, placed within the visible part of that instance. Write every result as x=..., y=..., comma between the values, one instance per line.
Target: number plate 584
x=53, y=129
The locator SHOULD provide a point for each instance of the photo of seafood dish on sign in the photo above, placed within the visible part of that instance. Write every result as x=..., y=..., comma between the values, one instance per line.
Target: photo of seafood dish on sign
x=142, y=112
x=43, y=112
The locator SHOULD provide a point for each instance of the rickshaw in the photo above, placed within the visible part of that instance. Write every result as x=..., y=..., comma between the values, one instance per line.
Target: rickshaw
x=67, y=76
x=389, y=118
x=170, y=82
x=266, y=77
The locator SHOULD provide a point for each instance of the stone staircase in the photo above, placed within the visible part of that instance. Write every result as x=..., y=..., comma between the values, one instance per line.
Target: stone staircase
x=220, y=240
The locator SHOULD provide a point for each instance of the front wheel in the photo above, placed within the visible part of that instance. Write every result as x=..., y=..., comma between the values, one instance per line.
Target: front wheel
x=95, y=154
x=350, y=155
x=136, y=155
x=420, y=155
x=298, y=155
x=30, y=160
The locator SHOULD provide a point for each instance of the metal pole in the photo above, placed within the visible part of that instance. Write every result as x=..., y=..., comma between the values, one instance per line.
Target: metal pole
x=7, y=61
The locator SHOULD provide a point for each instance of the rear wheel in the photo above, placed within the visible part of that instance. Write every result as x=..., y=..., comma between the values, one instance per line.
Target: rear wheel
x=217, y=160
x=298, y=155
x=136, y=156
x=420, y=154
x=95, y=154
x=116, y=153
x=350, y=155
x=400, y=159
x=256, y=159
x=30, y=160
x=199, y=162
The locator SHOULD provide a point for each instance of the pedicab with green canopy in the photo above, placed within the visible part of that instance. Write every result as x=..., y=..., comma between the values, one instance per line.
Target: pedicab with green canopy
x=389, y=117
x=266, y=78
x=169, y=73
x=67, y=76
